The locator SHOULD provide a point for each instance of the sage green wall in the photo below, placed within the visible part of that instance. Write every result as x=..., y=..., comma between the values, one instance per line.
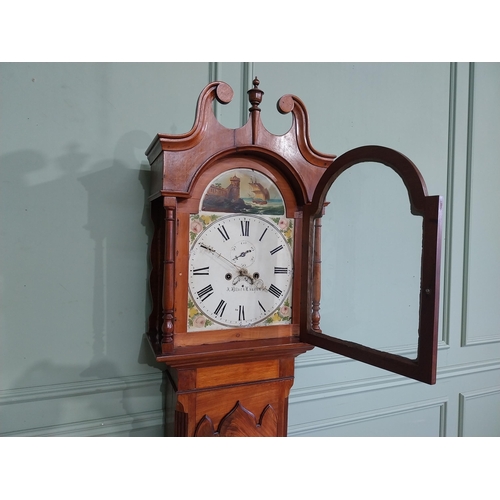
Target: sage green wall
x=75, y=230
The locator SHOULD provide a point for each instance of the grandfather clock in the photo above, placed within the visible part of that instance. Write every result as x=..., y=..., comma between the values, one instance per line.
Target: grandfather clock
x=236, y=265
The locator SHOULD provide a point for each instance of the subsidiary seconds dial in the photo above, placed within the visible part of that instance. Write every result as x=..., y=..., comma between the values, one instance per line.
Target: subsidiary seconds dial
x=240, y=270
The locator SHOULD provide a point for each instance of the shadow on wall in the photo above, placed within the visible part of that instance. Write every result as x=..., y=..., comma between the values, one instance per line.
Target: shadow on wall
x=75, y=308
x=119, y=250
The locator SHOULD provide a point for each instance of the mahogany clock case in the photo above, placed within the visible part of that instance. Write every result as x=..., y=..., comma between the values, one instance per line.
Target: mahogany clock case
x=184, y=166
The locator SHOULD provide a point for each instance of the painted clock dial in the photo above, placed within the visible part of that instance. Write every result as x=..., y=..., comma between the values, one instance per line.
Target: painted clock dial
x=241, y=270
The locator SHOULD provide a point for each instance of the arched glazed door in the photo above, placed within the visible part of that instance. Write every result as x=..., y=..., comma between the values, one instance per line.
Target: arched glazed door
x=423, y=367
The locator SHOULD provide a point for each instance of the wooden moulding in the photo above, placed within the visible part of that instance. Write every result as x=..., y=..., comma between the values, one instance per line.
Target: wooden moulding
x=232, y=352
x=176, y=159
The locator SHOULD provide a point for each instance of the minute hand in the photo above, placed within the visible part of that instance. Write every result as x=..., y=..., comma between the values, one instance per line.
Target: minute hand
x=210, y=249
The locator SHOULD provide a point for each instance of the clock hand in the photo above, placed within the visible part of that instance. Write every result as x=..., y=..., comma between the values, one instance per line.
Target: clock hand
x=242, y=270
x=242, y=254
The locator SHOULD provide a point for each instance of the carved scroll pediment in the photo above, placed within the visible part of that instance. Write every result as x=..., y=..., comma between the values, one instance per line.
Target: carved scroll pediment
x=240, y=422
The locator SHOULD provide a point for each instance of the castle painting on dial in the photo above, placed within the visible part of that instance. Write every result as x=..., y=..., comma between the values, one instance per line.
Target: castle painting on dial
x=243, y=191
